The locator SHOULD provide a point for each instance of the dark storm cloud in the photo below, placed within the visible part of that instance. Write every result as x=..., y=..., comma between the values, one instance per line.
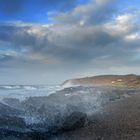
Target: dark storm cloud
x=5, y=57
x=62, y=5
x=11, y=7
x=16, y=35
x=67, y=46
x=14, y=7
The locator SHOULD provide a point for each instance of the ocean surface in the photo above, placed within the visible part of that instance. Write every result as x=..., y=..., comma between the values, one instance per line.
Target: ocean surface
x=24, y=91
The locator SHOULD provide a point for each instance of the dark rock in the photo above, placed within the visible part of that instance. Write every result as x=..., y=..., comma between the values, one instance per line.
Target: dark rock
x=13, y=102
x=74, y=121
x=9, y=111
x=12, y=123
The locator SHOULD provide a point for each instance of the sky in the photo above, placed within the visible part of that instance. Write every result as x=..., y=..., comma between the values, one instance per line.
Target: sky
x=49, y=41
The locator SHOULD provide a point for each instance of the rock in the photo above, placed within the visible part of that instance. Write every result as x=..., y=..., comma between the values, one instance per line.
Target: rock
x=12, y=123
x=13, y=102
x=74, y=121
x=11, y=138
x=7, y=110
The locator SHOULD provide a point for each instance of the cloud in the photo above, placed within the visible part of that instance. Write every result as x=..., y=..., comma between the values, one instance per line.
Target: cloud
x=77, y=40
x=15, y=7
x=11, y=7
x=73, y=42
x=62, y=5
x=96, y=11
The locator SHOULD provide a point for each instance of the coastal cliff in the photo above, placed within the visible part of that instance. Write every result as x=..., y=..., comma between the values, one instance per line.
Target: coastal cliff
x=130, y=80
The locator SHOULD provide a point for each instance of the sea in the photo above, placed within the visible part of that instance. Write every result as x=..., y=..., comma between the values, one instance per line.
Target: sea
x=22, y=92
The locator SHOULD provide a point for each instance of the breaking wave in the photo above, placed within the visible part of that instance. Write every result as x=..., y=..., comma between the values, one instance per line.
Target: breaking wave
x=51, y=109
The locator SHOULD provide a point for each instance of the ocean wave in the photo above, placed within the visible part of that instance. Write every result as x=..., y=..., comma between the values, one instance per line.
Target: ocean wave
x=60, y=111
x=10, y=87
x=24, y=91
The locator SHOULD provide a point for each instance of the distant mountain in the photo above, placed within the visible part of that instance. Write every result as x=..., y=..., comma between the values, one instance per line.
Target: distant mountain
x=130, y=80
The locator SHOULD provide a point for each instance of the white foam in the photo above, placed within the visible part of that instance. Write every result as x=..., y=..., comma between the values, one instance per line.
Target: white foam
x=29, y=88
x=69, y=84
x=10, y=87
x=22, y=92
